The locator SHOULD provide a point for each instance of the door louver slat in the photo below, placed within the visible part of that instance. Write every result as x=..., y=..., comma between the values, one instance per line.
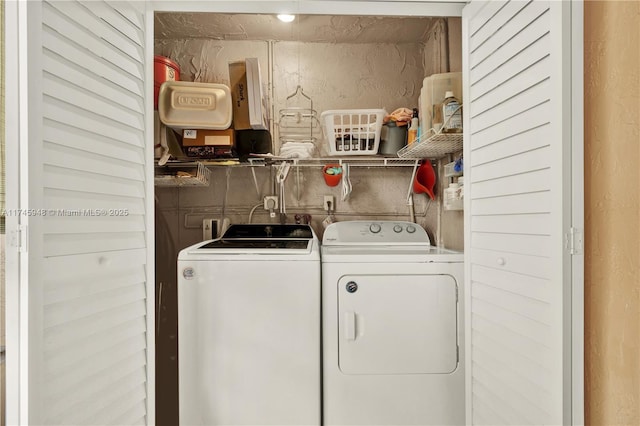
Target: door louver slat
x=70, y=93
x=95, y=45
x=104, y=145
x=77, y=54
x=101, y=28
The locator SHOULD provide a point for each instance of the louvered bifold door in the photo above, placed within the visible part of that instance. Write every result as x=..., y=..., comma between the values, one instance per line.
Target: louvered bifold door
x=88, y=245
x=517, y=168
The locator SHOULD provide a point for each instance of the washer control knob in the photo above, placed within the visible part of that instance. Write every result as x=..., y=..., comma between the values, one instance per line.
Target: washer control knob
x=397, y=229
x=375, y=228
x=411, y=229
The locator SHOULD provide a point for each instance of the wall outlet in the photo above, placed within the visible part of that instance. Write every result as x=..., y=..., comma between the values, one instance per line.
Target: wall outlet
x=213, y=228
x=329, y=203
x=270, y=202
x=207, y=229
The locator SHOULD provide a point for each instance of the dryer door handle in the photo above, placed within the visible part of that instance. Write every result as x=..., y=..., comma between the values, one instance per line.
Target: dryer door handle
x=350, y=325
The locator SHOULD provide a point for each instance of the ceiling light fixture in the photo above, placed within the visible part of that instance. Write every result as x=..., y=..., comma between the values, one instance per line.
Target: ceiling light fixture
x=286, y=18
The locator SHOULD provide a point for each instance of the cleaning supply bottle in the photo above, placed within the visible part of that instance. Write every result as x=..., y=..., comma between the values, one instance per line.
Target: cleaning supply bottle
x=412, y=133
x=451, y=114
x=452, y=200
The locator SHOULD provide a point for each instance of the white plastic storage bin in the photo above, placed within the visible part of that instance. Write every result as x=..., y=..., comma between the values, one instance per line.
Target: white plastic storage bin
x=191, y=105
x=353, y=131
x=432, y=95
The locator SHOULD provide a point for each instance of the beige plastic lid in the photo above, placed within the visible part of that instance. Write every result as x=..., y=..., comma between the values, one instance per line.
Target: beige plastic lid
x=191, y=105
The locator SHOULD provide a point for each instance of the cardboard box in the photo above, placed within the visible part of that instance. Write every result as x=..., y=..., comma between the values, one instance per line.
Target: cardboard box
x=258, y=116
x=249, y=103
x=238, y=83
x=221, y=138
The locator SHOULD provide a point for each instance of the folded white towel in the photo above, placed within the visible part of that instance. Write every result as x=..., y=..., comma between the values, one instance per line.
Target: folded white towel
x=297, y=150
x=296, y=153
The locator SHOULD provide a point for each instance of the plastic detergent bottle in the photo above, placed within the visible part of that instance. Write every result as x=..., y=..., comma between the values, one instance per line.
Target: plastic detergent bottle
x=452, y=200
x=412, y=133
x=451, y=114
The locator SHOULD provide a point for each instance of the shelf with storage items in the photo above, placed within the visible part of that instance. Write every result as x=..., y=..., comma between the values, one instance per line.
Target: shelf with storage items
x=189, y=175
x=362, y=161
x=222, y=162
x=433, y=147
x=178, y=173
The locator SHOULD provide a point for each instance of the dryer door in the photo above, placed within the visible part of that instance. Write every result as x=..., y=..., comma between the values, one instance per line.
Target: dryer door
x=397, y=324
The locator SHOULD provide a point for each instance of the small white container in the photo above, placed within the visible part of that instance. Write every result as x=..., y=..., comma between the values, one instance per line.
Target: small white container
x=450, y=170
x=452, y=200
x=190, y=105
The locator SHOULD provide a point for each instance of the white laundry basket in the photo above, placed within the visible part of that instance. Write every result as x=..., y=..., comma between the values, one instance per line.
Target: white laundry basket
x=353, y=131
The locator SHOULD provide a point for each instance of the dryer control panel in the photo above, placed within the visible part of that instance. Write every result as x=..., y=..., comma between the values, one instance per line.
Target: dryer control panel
x=363, y=232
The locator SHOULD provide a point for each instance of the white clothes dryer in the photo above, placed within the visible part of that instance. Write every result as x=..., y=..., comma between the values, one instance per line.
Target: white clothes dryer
x=393, y=326
x=249, y=328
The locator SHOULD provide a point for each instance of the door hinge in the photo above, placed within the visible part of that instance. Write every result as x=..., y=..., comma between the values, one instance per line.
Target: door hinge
x=19, y=238
x=574, y=241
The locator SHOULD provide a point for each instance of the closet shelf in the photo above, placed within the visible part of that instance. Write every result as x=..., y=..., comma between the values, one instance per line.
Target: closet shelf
x=370, y=161
x=212, y=163
x=198, y=177
x=361, y=161
x=436, y=146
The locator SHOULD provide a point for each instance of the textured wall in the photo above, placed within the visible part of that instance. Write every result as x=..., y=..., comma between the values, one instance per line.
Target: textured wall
x=454, y=26
x=377, y=193
x=612, y=192
x=335, y=76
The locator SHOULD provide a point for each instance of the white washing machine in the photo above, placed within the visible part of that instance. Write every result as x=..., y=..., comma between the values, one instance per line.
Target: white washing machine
x=392, y=327
x=249, y=328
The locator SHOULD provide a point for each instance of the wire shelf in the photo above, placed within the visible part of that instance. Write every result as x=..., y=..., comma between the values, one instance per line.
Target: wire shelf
x=436, y=146
x=184, y=179
x=352, y=161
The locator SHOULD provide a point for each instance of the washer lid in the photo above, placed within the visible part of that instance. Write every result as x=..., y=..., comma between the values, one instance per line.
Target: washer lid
x=261, y=231
x=262, y=239
x=266, y=243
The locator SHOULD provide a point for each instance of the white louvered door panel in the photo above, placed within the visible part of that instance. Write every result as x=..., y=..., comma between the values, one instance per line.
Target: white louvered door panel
x=517, y=171
x=88, y=275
